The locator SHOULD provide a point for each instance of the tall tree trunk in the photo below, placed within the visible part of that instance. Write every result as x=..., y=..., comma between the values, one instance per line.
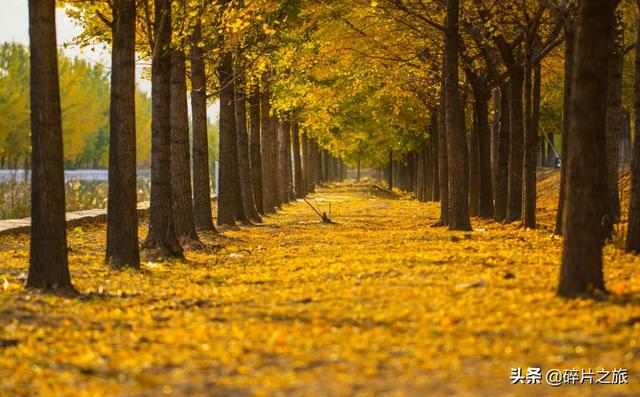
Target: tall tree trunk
x=456, y=137
x=516, y=137
x=48, y=266
x=276, y=179
x=283, y=130
x=390, y=169
x=532, y=98
x=633, y=230
x=585, y=202
x=288, y=163
x=495, y=134
x=474, y=166
x=201, y=180
x=613, y=126
x=161, y=240
x=570, y=37
x=481, y=102
x=230, y=207
x=267, y=143
x=297, y=162
x=306, y=163
x=502, y=156
x=180, y=162
x=254, y=147
x=434, y=155
x=443, y=163
x=531, y=152
x=244, y=163
x=123, y=248
x=315, y=165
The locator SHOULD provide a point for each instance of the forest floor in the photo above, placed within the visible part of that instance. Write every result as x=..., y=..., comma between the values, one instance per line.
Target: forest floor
x=380, y=303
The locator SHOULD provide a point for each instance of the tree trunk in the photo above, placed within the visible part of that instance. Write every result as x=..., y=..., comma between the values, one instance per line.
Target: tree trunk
x=283, y=130
x=474, y=166
x=306, y=163
x=267, y=143
x=276, y=179
x=456, y=137
x=180, y=162
x=585, y=202
x=481, y=102
x=569, y=40
x=288, y=163
x=531, y=144
x=254, y=147
x=244, y=163
x=391, y=170
x=633, y=229
x=613, y=126
x=297, y=162
x=434, y=155
x=161, y=240
x=201, y=180
x=443, y=163
x=123, y=248
x=48, y=266
x=502, y=157
x=315, y=165
x=495, y=134
x=516, y=137
x=230, y=207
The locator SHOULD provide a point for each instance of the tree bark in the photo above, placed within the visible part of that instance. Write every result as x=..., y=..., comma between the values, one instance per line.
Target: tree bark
x=434, y=156
x=291, y=196
x=456, y=137
x=613, y=126
x=254, y=147
x=161, y=240
x=201, y=180
x=244, y=163
x=481, y=103
x=570, y=36
x=633, y=229
x=474, y=166
x=516, y=137
x=531, y=144
x=443, y=163
x=585, y=202
x=315, y=165
x=391, y=170
x=123, y=248
x=267, y=144
x=297, y=162
x=180, y=156
x=306, y=163
x=230, y=208
x=48, y=266
x=502, y=159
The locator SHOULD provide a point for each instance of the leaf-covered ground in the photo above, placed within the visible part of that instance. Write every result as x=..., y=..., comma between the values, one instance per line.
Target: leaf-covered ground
x=379, y=304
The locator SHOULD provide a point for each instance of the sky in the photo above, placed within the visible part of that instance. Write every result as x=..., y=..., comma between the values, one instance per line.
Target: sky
x=14, y=26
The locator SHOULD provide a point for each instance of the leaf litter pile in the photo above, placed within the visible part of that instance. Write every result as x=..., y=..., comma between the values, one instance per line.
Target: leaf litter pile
x=377, y=303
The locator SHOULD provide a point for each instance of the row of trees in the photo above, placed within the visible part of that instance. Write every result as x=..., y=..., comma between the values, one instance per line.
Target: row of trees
x=451, y=95
x=262, y=154
x=84, y=95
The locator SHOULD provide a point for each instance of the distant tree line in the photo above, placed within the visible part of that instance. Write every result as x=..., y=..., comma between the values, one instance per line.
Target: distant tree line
x=84, y=94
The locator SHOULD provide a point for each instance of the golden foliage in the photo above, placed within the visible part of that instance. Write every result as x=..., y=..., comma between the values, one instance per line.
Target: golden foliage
x=379, y=304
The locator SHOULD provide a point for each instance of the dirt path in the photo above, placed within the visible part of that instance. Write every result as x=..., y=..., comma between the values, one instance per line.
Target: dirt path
x=378, y=304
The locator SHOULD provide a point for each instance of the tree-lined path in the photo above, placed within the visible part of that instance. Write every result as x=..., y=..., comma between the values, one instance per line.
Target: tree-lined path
x=413, y=197
x=380, y=303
